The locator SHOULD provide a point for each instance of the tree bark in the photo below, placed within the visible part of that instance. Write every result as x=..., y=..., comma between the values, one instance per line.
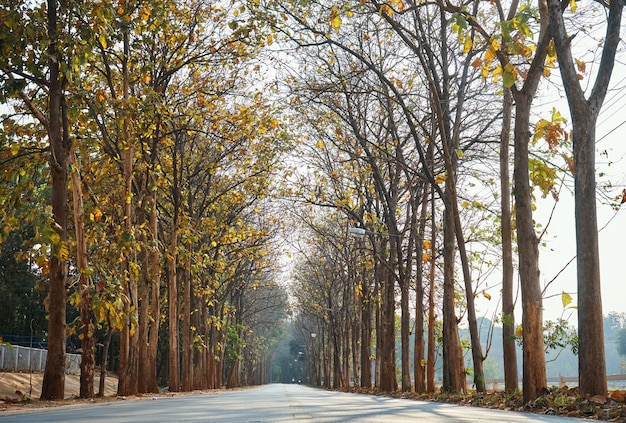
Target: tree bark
x=129, y=360
x=453, y=368
x=534, y=363
x=53, y=387
x=155, y=297
x=419, y=373
x=366, y=336
x=103, y=364
x=143, y=371
x=174, y=383
x=511, y=383
x=430, y=360
x=388, y=381
x=87, y=362
x=187, y=350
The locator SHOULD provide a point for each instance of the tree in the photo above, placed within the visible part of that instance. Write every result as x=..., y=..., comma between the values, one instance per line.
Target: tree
x=584, y=113
x=51, y=111
x=515, y=32
x=508, y=306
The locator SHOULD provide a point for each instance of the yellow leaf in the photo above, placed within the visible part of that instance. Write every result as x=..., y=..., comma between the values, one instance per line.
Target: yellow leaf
x=486, y=295
x=440, y=178
x=103, y=41
x=495, y=45
x=468, y=44
x=485, y=70
x=15, y=148
x=573, y=5
x=336, y=23
x=519, y=331
x=566, y=299
x=320, y=144
x=490, y=54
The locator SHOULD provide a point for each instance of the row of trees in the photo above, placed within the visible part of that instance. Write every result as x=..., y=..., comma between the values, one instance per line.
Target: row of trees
x=139, y=150
x=141, y=144
x=409, y=109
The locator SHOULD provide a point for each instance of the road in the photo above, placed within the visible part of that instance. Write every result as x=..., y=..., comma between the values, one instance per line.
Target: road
x=273, y=403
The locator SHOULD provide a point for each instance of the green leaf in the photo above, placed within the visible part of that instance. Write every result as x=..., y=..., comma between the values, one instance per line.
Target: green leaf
x=508, y=78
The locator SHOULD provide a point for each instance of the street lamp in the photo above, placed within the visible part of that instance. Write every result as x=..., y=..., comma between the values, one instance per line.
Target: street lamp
x=359, y=231
x=363, y=232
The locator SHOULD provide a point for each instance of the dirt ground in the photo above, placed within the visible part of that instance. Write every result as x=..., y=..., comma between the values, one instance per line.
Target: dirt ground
x=22, y=382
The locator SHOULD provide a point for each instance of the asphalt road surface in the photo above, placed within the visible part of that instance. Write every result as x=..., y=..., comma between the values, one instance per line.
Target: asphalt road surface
x=273, y=403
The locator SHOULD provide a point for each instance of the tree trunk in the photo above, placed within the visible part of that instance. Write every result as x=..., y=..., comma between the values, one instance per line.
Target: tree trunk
x=511, y=383
x=53, y=387
x=584, y=113
x=145, y=292
x=430, y=360
x=187, y=350
x=405, y=332
x=103, y=364
x=155, y=297
x=377, y=323
x=591, y=356
x=534, y=374
x=87, y=362
x=129, y=360
x=174, y=383
x=453, y=368
x=356, y=352
x=418, y=348
x=388, y=381
x=366, y=336
x=477, y=355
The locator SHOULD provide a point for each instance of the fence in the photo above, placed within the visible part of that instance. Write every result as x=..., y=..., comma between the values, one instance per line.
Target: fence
x=614, y=381
x=24, y=359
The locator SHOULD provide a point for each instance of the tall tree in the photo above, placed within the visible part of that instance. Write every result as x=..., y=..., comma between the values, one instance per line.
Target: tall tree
x=511, y=383
x=24, y=29
x=584, y=113
x=514, y=33
x=60, y=146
